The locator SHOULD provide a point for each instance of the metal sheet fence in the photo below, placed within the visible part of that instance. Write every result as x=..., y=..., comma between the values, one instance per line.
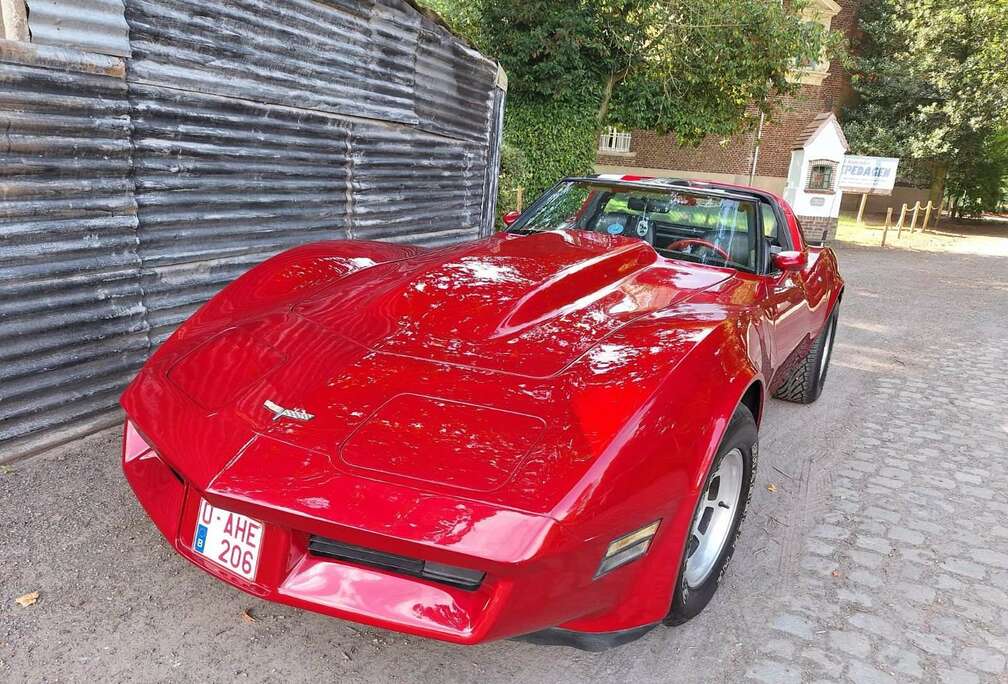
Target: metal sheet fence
x=223, y=183
x=260, y=125
x=92, y=25
x=242, y=128
x=413, y=187
x=72, y=327
x=379, y=60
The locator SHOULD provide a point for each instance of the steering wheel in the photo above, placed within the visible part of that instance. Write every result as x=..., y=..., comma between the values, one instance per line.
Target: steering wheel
x=678, y=246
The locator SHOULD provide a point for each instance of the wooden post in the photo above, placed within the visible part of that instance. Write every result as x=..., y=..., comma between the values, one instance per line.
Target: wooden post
x=899, y=226
x=860, y=211
x=927, y=216
x=885, y=228
x=913, y=222
x=941, y=206
x=519, y=198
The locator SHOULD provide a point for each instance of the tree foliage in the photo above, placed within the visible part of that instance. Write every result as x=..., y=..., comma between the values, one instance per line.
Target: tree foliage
x=557, y=139
x=932, y=86
x=687, y=67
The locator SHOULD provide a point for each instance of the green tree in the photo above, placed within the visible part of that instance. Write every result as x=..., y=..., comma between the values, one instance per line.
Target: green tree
x=932, y=87
x=687, y=67
x=977, y=180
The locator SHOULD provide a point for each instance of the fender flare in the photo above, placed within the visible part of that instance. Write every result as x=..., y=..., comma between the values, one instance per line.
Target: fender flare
x=646, y=597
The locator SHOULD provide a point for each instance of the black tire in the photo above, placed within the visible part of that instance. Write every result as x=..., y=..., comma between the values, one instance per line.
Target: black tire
x=806, y=381
x=688, y=601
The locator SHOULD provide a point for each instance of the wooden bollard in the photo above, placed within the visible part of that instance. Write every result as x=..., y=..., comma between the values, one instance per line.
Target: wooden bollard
x=860, y=211
x=885, y=228
x=519, y=198
x=913, y=221
x=927, y=216
x=899, y=226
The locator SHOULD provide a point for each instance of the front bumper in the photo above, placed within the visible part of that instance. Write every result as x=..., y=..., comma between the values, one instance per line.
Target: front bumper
x=513, y=600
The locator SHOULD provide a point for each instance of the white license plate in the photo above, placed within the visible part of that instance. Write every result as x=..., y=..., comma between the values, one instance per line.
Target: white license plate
x=228, y=539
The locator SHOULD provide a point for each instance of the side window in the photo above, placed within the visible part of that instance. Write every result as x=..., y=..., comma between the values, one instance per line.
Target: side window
x=776, y=236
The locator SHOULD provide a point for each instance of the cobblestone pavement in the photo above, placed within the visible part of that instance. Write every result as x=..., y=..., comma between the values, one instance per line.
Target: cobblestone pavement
x=880, y=555
x=905, y=575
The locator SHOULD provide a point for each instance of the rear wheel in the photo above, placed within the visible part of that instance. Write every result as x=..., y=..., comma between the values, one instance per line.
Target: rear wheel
x=717, y=519
x=806, y=381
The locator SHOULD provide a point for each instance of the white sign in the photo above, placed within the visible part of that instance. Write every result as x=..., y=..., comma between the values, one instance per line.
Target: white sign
x=872, y=175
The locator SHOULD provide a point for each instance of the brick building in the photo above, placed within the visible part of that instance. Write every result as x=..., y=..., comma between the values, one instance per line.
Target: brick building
x=825, y=87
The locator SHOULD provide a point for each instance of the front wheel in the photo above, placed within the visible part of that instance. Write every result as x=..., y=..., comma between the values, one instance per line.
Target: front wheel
x=717, y=519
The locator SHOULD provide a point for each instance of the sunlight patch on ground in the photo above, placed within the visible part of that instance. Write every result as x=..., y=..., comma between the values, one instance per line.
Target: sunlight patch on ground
x=871, y=359
x=877, y=328
x=988, y=238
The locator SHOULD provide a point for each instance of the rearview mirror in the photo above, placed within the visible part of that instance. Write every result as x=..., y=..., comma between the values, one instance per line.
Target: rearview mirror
x=510, y=217
x=789, y=261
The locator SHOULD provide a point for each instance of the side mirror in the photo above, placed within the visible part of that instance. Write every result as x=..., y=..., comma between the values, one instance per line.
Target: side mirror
x=510, y=217
x=790, y=261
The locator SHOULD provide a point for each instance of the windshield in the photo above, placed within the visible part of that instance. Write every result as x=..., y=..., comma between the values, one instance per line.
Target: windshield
x=682, y=224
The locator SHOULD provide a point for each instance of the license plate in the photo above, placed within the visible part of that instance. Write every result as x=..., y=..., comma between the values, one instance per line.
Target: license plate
x=228, y=539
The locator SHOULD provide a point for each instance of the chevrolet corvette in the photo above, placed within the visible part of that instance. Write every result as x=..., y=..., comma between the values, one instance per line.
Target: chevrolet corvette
x=547, y=434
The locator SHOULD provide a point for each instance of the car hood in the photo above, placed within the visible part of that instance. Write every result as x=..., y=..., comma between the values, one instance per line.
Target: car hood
x=525, y=305
x=442, y=373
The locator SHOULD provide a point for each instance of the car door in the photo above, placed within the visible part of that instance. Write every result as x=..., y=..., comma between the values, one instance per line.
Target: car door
x=786, y=298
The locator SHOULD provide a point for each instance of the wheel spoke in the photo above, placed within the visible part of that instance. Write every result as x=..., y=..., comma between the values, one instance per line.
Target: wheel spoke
x=715, y=485
x=692, y=545
x=705, y=520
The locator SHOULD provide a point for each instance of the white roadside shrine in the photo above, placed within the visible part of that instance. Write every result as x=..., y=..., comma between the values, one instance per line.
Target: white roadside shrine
x=812, y=187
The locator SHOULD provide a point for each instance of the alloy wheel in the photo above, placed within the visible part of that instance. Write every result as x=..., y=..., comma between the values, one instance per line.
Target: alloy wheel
x=715, y=517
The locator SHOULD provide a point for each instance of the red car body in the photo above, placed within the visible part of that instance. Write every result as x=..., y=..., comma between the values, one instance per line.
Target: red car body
x=509, y=405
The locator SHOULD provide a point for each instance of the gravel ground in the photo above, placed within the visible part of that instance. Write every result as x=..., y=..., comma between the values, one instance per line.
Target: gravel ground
x=881, y=554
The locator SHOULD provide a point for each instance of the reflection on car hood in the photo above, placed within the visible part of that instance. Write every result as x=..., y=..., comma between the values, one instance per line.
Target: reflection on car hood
x=524, y=305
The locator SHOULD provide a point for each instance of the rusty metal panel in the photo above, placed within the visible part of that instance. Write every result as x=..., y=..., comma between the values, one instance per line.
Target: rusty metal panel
x=260, y=125
x=222, y=184
x=92, y=25
x=491, y=172
x=355, y=58
x=411, y=186
x=72, y=327
x=379, y=60
x=454, y=86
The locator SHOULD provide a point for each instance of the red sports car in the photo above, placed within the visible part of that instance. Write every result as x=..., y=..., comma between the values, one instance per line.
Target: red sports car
x=549, y=433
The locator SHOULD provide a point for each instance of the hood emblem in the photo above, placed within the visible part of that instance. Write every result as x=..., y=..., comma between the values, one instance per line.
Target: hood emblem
x=281, y=412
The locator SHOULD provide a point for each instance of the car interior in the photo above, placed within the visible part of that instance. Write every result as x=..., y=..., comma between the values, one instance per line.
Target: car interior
x=716, y=228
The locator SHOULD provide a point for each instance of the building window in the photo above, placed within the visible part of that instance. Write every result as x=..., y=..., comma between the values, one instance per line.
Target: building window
x=821, y=176
x=614, y=141
x=820, y=12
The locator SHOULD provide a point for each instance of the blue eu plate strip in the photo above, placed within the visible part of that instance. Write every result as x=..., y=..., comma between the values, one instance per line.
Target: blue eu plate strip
x=201, y=532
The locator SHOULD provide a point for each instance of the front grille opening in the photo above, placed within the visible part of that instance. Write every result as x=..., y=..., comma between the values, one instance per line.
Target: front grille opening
x=463, y=578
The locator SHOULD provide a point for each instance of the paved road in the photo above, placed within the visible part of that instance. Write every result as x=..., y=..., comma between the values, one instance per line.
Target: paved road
x=882, y=554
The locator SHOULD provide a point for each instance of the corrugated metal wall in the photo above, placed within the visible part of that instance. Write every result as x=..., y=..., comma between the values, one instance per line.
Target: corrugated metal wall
x=223, y=183
x=93, y=25
x=72, y=323
x=241, y=128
